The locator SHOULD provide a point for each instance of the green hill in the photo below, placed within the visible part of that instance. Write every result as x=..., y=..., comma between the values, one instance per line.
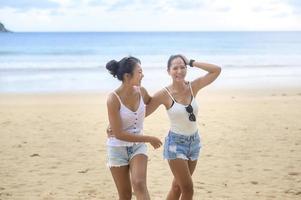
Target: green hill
x=3, y=29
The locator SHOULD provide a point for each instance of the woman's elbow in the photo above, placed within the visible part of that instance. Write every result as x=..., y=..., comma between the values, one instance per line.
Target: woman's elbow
x=218, y=70
x=149, y=110
x=118, y=135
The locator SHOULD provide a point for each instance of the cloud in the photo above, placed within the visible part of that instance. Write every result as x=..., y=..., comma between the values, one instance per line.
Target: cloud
x=28, y=4
x=147, y=5
x=144, y=15
x=185, y=5
x=120, y=5
x=97, y=3
x=133, y=6
x=295, y=5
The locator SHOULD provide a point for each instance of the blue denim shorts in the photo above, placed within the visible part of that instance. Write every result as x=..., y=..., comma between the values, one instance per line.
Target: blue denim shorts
x=182, y=146
x=118, y=156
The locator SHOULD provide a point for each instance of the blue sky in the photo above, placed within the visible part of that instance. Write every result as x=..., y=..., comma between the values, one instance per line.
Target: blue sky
x=151, y=15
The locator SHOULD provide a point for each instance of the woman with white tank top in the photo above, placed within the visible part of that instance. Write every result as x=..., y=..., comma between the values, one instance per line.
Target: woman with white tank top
x=126, y=150
x=182, y=144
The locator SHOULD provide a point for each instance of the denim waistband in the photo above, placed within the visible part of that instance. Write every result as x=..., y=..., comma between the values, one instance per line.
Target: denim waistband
x=184, y=137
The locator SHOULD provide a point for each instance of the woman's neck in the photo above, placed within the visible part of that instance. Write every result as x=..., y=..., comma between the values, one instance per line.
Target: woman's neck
x=127, y=89
x=179, y=86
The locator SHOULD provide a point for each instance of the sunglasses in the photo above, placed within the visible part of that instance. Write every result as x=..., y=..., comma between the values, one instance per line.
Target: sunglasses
x=189, y=109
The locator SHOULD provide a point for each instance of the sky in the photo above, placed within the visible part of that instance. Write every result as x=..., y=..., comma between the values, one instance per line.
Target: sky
x=151, y=15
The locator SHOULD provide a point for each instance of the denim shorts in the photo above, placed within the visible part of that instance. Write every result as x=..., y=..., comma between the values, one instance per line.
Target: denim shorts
x=121, y=155
x=182, y=146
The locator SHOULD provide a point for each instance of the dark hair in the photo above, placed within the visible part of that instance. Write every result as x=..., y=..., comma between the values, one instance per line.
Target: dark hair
x=125, y=65
x=172, y=57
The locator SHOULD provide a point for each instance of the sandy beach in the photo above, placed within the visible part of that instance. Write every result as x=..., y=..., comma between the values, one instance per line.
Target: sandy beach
x=53, y=146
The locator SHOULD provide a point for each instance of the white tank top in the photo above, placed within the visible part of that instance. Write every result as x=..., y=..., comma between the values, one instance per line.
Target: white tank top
x=179, y=117
x=132, y=122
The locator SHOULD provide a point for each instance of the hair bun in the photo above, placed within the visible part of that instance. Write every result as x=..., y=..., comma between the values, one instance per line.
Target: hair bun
x=113, y=66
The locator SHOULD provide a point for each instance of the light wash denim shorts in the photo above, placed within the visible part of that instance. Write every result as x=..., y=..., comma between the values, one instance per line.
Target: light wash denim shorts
x=182, y=146
x=118, y=156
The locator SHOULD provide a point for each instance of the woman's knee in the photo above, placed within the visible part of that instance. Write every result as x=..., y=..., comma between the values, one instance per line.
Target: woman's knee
x=176, y=188
x=187, y=188
x=139, y=185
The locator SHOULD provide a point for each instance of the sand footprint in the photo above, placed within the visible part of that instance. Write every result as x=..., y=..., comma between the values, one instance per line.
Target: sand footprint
x=84, y=171
x=292, y=191
x=293, y=173
x=35, y=155
x=5, y=123
x=89, y=192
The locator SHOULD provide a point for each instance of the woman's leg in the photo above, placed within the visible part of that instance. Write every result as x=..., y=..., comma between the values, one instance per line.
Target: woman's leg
x=175, y=190
x=138, y=167
x=182, y=171
x=122, y=181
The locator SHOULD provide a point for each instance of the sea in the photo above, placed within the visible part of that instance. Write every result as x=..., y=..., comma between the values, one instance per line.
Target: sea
x=59, y=62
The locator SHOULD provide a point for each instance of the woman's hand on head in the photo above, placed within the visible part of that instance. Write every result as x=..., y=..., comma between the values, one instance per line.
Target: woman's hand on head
x=185, y=59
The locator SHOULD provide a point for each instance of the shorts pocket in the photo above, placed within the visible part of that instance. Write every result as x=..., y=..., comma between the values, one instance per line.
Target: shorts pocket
x=178, y=140
x=170, y=148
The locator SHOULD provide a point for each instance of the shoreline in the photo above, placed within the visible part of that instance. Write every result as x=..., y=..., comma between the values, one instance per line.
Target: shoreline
x=210, y=90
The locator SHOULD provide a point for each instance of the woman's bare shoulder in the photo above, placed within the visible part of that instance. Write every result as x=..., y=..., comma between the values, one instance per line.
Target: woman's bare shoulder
x=112, y=99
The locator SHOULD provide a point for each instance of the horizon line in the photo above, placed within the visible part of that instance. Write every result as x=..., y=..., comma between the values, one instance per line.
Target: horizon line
x=155, y=31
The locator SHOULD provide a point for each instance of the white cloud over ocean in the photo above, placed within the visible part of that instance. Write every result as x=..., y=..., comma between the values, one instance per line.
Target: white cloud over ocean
x=150, y=15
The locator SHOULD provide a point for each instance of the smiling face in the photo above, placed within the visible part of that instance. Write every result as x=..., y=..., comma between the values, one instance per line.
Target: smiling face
x=177, y=69
x=137, y=75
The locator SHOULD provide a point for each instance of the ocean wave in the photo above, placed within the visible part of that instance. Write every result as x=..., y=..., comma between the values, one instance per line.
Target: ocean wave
x=102, y=68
